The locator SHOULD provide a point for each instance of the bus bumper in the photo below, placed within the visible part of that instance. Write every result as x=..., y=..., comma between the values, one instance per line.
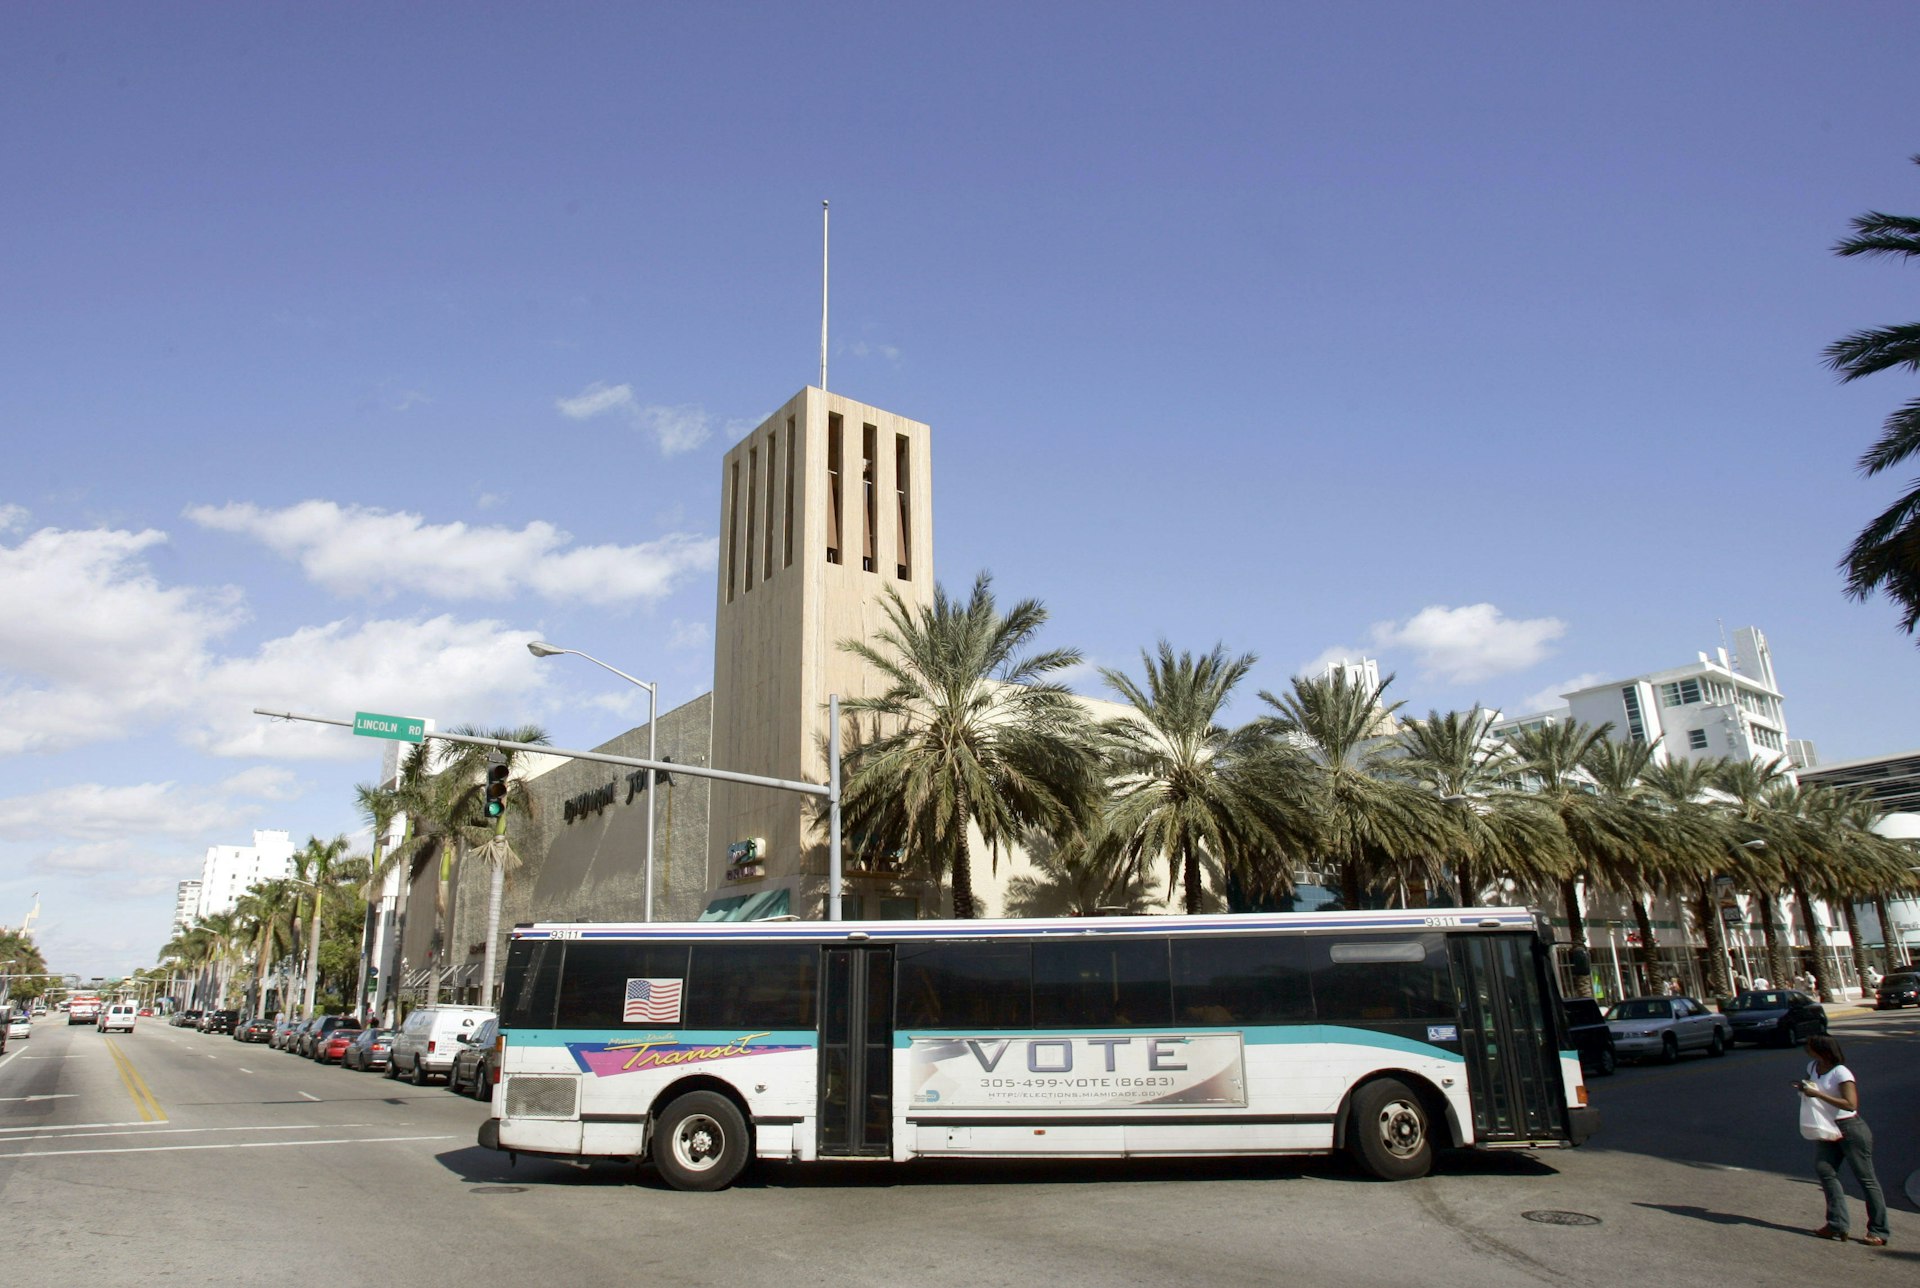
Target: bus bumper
x=1582, y=1122
x=490, y=1134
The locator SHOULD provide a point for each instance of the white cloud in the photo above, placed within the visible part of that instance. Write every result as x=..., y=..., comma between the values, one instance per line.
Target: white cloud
x=1461, y=645
x=689, y=635
x=862, y=349
x=677, y=429
x=1550, y=696
x=356, y=550
x=13, y=517
x=1327, y=657
x=92, y=643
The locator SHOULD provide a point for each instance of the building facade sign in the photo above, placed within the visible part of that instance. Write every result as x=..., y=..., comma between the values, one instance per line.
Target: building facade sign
x=596, y=799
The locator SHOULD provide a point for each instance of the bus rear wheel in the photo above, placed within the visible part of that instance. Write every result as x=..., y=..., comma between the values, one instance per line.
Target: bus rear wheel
x=1390, y=1135
x=700, y=1142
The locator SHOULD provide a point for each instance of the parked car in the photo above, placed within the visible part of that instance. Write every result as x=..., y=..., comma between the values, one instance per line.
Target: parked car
x=429, y=1040
x=1782, y=1016
x=329, y=1047
x=146, y=1012
x=1663, y=1027
x=283, y=1030
x=185, y=1020
x=120, y=1015
x=318, y=1028
x=472, y=1071
x=1588, y=1031
x=368, y=1050
x=20, y=1025
x=257, y=1029
x=219, y=1021
x=1897, y=990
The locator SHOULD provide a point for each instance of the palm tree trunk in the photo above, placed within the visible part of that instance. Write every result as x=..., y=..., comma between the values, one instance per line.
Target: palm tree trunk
x=1860, y=963
x=496, y=887
x=1708, y=910
x=1770, y=931
x=1577, y=937
x=1649, y=950
x=962, y=864
x=1817, y=941
x=313, y=955
x=1190, y=876
x=1895, y=958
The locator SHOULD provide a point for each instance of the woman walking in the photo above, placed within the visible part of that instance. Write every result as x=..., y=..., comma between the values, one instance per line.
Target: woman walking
x=1830, y=1117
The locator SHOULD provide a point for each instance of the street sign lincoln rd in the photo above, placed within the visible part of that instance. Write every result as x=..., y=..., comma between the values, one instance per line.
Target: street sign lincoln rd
x=398, y=728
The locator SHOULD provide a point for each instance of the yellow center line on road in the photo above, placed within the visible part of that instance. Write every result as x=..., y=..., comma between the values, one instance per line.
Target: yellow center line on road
x=143, y=1101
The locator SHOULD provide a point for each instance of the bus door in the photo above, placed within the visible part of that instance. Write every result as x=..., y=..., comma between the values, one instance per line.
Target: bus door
x=856, y=1053
x=1507, y=1036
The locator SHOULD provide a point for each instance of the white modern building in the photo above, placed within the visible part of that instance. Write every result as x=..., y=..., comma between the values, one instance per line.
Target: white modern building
x=1717, y=705
x=186, y=906
x=230, y=869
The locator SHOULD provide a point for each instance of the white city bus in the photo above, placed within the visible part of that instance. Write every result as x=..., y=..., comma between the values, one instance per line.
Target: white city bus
x=700, y=1047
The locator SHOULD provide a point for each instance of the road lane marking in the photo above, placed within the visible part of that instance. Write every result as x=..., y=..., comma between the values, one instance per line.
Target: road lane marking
x=55, y=1095
x=246, y=1071
x=136, y=1086
x=63, y=1127
x=310, y=1097
x=58, y=1133
x=241, y=1144
x=5, y=1060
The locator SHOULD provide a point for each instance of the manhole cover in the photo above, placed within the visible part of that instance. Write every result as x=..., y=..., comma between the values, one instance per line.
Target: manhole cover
x=1549, y=1217
x=521, y=1189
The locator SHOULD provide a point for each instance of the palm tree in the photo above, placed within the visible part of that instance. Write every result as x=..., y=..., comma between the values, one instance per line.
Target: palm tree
x=378, y=806
x=1183, y=785
x=1618, y=770
x=970, y=732
x=1369, y=826
x=469, y=766
x=314, y=865
x=1602, y=839
x=1493, y=832
x=1766, y=801
x=268, y=914
x=1082, y=876
x=1886, y=555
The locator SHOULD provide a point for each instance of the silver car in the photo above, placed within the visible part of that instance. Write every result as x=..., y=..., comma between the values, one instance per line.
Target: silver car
x=1662, y=1027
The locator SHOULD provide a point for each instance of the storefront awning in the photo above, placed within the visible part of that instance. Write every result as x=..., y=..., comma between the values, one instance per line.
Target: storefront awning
x=749, y=907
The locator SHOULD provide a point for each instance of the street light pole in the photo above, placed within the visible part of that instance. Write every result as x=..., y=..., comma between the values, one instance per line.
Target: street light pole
x=540, y=649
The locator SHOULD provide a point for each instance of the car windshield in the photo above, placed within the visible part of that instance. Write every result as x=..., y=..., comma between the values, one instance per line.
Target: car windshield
x=1774, y=1001
x=1649, y=1010
x=1900, y=981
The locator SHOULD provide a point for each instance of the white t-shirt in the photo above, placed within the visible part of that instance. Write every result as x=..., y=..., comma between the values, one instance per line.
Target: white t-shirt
x=1829, y=1082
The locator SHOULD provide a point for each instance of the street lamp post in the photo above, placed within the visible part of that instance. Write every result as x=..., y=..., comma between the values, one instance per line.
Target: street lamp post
x=541, y=649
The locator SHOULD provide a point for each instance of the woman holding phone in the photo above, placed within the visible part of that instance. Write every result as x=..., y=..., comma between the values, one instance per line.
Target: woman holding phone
x=1830, y=1117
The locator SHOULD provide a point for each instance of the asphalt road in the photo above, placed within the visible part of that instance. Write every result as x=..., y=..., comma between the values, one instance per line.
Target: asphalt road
x=169, y=1155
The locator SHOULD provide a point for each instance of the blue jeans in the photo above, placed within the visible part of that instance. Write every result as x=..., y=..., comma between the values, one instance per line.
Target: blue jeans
x=1855, y=1148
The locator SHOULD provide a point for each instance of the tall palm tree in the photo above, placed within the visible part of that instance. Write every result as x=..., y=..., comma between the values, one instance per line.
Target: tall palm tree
x=1184, y=785
x=1081, y=876
x=1494, y=832
x=1618, y=770
x=1371, y=827
x=489, y=839
x=1602, y=838
x=267, y=915
x=1885, y=556
x=970, y=732
x=377, y=805
x=315, y=864
x=415, y=794
x=1766, y=802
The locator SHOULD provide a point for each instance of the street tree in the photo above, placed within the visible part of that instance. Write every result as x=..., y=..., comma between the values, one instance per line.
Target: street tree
x=315, y=864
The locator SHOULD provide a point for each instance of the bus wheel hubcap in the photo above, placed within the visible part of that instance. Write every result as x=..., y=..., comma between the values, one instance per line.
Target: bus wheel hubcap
x=1400, y=1129
x=698, y=1142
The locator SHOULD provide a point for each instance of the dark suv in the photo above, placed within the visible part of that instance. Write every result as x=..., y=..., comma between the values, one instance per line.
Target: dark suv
x=317, y=1029
x=1587, y=1030
x=1896, y=991
x=219, y=1021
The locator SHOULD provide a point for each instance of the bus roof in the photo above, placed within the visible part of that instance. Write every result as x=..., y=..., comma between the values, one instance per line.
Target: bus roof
x=1395, y=919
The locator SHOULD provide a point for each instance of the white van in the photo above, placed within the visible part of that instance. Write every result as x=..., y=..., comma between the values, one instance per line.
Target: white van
x=426, y=1044
x=118, y=1016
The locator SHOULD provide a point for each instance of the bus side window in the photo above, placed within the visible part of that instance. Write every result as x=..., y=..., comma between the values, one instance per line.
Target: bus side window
x=1120, y=983
x=753, y=986
x=593, y=986
x=1375, y=981
x=532, y=983
x=979, y=987
x=1241, y=980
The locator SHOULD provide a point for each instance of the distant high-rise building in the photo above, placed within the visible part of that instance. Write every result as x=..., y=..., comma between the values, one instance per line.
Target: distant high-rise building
x=186, y=906
x=230, y=869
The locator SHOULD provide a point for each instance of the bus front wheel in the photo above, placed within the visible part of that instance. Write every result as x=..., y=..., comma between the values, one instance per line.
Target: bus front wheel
x=1390, y=1135
x=700, y=1142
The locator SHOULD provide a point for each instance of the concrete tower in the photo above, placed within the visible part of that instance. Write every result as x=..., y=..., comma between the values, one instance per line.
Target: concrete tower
x=823, y=507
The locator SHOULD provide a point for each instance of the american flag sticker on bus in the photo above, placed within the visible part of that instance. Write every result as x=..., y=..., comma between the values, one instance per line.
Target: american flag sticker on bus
x=652, y=1001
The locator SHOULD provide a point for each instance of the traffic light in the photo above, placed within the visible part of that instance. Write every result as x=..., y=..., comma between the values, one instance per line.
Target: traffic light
x=496, y=798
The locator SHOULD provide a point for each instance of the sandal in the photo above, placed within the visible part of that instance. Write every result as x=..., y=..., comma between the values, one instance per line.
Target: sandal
x=1874, y=1241
x=1828, y=1232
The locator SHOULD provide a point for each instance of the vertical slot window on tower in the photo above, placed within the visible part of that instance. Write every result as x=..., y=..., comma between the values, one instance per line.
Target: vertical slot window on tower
x=733, y=526
x=753, y=503
x=868, y=447
x=833, y=488
x=773, y=452
x=786, y=517
x=903, y=516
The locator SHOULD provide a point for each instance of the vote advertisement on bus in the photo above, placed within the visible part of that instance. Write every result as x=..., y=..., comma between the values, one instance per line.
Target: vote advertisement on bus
x=1078, y=1071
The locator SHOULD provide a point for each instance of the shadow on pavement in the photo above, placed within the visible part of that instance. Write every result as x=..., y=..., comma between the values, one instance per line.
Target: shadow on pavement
x=1723, y=1218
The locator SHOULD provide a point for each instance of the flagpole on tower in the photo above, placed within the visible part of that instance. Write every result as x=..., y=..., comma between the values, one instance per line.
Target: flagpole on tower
x=823, y=297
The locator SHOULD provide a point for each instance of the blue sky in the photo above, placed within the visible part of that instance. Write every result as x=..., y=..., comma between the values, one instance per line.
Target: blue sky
x=348, y=348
